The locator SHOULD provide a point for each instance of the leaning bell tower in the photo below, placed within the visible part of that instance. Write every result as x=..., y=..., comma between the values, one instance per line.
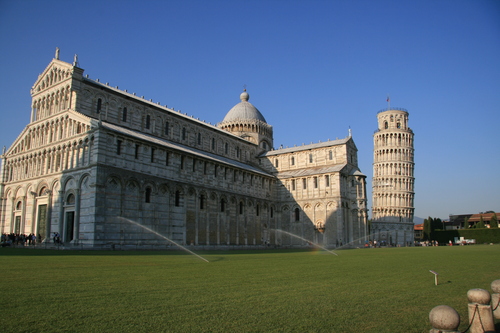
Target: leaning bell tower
x=393, y=179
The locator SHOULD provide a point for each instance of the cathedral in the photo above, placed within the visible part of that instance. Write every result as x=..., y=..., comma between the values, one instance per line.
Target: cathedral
x=103, y=167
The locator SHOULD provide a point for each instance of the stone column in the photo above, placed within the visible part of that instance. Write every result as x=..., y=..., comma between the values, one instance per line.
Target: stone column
x=480, y=314
x=76, y=230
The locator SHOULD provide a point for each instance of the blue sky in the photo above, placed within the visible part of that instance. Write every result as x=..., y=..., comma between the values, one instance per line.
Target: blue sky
x=313, y=68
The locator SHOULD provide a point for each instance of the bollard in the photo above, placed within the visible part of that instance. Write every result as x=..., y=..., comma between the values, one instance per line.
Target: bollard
x=444, y=318
x=495, y=298
x=480, y=314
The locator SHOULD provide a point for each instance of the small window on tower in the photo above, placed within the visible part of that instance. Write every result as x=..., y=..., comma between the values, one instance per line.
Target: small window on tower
x=99, y=105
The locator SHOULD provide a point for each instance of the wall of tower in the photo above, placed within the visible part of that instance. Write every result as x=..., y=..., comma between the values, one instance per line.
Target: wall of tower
x=393, y=177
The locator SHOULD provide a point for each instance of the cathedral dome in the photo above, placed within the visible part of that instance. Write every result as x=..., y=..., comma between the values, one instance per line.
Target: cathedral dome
x=244, y=110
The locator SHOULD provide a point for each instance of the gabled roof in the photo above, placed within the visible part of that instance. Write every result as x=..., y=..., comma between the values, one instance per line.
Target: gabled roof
x=311, y=171
x=72, y=115
x=486, y=217
x=63, y=70
x=308, y=147
x=182, y=148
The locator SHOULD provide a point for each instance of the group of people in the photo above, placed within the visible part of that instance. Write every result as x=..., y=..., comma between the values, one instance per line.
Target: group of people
x=19, y=239
x=427, y=243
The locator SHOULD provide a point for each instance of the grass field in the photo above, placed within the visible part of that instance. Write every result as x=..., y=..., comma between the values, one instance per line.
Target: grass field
x=362, y=290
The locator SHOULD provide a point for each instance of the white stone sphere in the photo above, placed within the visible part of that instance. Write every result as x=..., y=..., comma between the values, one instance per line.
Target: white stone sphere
x=479, y=296
x=444, y=317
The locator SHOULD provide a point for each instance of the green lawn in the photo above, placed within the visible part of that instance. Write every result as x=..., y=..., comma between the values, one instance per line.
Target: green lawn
x=362, y=290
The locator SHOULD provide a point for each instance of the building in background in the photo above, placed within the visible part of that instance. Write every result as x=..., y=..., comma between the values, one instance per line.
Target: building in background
x=393, y=179
x=103, y=167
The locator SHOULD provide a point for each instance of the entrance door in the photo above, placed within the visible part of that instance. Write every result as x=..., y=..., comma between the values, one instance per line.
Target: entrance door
x=17, y=225
x=70, y=221
x=42, y=223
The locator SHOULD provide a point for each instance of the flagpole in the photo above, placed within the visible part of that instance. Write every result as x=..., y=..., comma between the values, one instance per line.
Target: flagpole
x=388, y=102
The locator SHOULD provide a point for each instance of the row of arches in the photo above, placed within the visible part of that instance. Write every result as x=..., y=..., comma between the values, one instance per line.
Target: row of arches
x=393, y=169
x=392, y=200
x=51, y=160
x=390, y=184
x=401, y=154
x=54, y=76
x=54, y=130
x=392, y=214
x=383, y=139
x=256, y=126
x=51, y=103
x=328, y=156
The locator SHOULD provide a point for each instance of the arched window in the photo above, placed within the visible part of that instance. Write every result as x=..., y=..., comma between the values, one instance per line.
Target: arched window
x=167, y=128
x=213, y=143
x=184, y=133
x=330, y=155
x=398, y=125
x=19, y=205
x=293, y=160
x=177, y=202
x=148, y=121
x=118, y=147
x=297, y=214
x=222, y=205
x=257, y=210
x=241, y=207
x=386, y=125
x=148, y=194
x=99, y=105
x=70, y=200
x=276, y=163
x=124, y=115
x=202, y=201
x=310, y=158
x=199, y=138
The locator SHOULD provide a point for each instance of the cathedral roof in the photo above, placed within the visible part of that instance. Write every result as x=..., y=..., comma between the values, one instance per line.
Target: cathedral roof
x=182, y=148
x=244, y=110
x=307, y=147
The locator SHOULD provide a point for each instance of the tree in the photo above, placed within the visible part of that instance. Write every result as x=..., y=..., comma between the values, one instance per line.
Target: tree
x=427, y=229
x=437, y=224
x=480, y=224
x=494, y=221
x=465, y=224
